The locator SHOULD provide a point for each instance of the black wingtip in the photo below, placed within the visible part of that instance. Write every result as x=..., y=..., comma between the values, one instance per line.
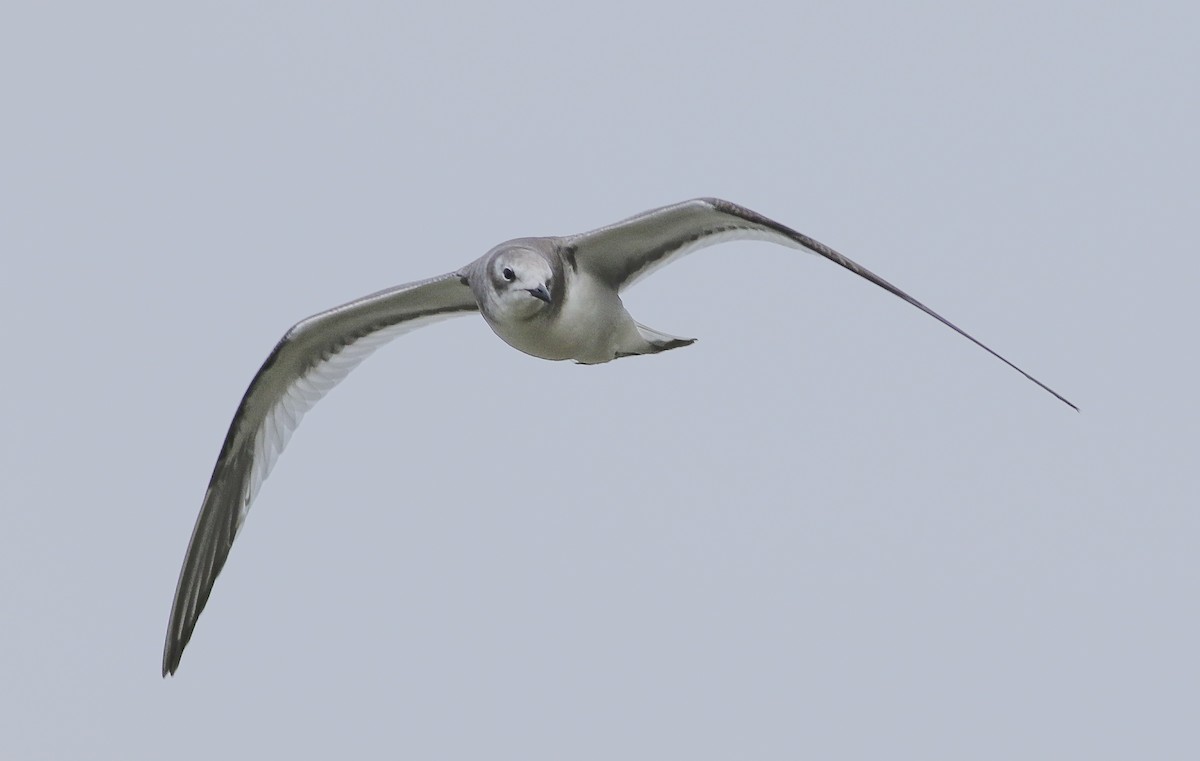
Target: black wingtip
x=170, y=662
x=1065, y=401
x=1029, y=377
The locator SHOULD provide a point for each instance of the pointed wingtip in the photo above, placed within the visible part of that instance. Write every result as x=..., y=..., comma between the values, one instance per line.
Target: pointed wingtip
x=172, y=654
x=1041, y=385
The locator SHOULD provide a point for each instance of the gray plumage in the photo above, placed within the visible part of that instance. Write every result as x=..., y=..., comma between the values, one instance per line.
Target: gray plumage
x=555, y=298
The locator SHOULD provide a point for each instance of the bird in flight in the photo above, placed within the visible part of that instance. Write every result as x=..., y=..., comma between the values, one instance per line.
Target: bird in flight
x=555, y=298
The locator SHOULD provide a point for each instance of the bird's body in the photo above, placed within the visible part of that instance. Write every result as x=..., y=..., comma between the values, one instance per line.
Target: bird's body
x=584, y=319
x=556, y=298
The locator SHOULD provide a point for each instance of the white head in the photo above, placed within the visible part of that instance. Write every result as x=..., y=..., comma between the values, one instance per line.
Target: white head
x=520, y=281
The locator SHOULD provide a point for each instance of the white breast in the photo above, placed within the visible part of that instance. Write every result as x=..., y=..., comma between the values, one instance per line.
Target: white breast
x=591, y=327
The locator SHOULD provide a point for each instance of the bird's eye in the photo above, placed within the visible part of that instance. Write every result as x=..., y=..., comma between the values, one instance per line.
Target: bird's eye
x=508, y=274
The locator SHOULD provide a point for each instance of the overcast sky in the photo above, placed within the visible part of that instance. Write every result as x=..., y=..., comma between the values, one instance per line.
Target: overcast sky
x=830, y=529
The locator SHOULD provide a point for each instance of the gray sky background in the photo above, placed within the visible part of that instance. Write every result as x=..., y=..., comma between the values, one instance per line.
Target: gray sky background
x=830, y=529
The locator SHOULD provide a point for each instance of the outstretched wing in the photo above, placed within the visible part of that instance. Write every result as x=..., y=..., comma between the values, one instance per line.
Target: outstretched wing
x=623, y=253
x=310, y=359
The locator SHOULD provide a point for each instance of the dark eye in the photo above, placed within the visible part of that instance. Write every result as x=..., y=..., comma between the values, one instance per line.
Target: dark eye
x=508, y=274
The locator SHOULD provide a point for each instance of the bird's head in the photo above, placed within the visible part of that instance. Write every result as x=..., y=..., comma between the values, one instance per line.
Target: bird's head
x=521, y=280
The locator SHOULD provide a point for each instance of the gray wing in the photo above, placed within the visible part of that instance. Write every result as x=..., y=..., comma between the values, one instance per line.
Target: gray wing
x=623, y=253
x=310, y=359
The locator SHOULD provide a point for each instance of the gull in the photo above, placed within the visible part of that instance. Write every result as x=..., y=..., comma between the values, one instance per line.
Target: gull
x=556, y=298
